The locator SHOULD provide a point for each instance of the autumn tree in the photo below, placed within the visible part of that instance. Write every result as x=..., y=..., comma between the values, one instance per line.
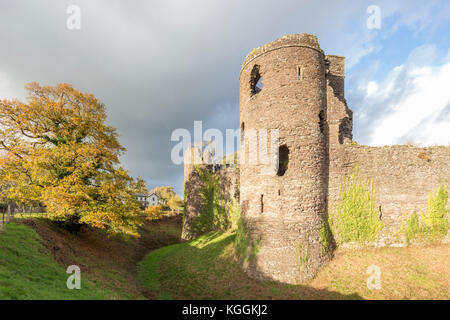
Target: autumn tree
x=175, y=204
x=139, y=186
x=57, y=149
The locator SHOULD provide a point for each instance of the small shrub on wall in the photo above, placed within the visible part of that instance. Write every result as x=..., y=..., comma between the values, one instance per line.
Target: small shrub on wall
x=356, y=217
x=436, y=216
x=433, y=224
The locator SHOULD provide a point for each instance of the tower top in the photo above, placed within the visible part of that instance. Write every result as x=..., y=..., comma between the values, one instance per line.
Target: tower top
x=289, y=40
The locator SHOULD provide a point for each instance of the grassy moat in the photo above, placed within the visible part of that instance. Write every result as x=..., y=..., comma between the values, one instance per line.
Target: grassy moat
x=34, y=255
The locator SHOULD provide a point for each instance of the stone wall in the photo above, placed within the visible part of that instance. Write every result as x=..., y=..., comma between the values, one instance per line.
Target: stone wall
x=403, y=177
x=228, y=193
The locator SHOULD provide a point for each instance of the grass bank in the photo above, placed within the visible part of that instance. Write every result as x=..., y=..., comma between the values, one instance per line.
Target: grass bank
x=35, y=253
x=28, y=271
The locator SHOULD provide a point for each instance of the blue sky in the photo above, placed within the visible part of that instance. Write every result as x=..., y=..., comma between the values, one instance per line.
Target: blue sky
x=418, y=49
x=160, y=65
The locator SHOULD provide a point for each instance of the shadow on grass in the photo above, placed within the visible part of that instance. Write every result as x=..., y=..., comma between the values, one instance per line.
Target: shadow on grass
x=206, y=268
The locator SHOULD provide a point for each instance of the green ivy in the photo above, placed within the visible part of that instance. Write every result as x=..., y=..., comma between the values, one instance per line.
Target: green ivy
x=356, y=218
x=325, y=236
x=213, y=216
x=433, y=224
x=412, y=227
x=436, y=216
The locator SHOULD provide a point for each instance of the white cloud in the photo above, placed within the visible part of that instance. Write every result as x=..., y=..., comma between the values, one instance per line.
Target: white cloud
x=372, y=87
x=412, y=104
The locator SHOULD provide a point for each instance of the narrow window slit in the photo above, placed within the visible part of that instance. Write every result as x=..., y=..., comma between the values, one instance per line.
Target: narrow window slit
x=299, y=73
x=322, y=122
x=262, y=203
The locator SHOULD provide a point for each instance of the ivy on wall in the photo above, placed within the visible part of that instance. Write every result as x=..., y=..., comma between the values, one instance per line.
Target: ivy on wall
x=433, y=224
x=356, y=217
x=213, y=216
x=326, y=237
x=218, y=215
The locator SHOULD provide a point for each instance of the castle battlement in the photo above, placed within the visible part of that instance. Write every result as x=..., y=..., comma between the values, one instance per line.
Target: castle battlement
x=290, y=40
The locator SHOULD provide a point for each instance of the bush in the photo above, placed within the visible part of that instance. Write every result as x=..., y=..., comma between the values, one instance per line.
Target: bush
x=154, y=212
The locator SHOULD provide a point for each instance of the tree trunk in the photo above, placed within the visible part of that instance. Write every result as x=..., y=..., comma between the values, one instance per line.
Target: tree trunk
x=10, y=212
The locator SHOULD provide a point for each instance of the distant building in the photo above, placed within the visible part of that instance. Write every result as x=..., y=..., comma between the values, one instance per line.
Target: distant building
x=147, y=200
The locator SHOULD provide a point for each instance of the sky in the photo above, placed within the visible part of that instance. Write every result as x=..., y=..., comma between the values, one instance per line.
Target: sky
x=161, y=65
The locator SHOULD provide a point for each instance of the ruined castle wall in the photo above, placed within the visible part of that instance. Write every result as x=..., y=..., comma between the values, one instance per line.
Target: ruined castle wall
x=403, y=177
x=228, y=193
x=339, y=116
x=193, y=185
x=229, y=185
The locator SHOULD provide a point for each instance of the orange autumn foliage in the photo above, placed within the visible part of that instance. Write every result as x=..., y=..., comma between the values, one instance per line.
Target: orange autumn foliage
x=57, y=149
x=154, y=212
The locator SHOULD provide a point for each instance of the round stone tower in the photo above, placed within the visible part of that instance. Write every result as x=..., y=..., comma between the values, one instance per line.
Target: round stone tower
x=284, y=203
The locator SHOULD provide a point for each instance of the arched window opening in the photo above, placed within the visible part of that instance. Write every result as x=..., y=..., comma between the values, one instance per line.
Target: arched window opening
x=256, y=84
x=242, y=132
x=283, y=160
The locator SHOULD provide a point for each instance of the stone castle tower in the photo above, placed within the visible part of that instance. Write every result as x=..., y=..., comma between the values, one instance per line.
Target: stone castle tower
x=296, y=155
x=284, y=210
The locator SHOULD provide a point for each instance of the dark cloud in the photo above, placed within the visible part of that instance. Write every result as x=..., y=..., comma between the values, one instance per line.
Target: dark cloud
x=160, y=65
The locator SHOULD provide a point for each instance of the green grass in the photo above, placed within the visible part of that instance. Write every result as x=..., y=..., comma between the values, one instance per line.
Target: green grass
x=28, y=271
x=207, y=268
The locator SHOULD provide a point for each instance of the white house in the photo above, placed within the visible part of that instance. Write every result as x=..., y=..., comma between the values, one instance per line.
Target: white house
x=147, y=200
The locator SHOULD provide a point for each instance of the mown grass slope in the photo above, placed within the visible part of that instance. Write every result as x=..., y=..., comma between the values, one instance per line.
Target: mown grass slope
x=28, y=271
x=207, y=268
x=34, y=255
